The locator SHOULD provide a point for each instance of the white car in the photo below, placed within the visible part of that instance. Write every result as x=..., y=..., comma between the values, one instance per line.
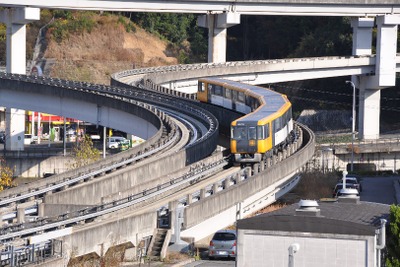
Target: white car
x=114, y=141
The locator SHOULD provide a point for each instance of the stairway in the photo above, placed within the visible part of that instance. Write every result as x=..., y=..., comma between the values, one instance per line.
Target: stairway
x=159, y=244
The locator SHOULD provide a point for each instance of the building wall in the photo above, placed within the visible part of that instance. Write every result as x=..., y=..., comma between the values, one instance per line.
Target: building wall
x=269, y=248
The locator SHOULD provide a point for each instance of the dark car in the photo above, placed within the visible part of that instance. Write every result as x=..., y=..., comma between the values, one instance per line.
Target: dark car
x=223, y=245
x=338, y=187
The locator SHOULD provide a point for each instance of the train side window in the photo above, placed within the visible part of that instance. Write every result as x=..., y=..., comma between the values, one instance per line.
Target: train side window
x=235, y=95
x=241, y=97
x=228, y=93
x=201, y=87
x=252, y=133
x=278, y=124
x=260, y=132
x=266, y=131
x=218, y=90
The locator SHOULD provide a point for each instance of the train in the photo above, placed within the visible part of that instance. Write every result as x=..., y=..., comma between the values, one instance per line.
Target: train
x=267, y=126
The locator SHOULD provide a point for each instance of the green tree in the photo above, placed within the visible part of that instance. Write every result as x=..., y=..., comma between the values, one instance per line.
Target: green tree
x=6, y=175
x=84, y=153
x=393, y=238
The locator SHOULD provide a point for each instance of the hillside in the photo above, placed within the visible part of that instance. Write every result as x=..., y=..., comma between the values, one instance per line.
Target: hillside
x=107, y=48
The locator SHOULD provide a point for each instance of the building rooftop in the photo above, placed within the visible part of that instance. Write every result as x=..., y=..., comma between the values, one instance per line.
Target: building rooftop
x=353, y=218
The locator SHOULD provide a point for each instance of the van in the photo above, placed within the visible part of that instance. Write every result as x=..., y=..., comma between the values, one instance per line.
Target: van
x=113, y=142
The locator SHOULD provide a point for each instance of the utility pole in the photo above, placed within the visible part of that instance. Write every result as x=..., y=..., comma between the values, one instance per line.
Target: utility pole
x=353, y=127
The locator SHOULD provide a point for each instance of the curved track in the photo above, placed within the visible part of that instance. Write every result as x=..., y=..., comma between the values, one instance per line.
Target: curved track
x=202, y=129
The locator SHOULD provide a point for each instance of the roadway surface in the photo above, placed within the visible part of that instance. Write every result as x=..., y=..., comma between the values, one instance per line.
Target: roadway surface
x=378, y=189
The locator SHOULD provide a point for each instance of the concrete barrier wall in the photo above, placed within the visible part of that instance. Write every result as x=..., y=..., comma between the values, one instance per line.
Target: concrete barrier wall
x=100, y=237
x=51, y=210
x=225, y=199
x=90, y=193
x=165, y=178
x=32, y=166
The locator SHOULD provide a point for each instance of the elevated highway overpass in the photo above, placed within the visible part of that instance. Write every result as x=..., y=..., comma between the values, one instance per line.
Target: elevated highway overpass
x=264, y=7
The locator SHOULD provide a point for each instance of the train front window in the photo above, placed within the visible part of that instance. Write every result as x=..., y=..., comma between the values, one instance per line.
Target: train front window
x=252, y=133
x=239, y=133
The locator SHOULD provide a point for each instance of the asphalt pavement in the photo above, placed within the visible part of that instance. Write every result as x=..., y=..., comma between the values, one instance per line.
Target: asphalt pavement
x=379, y=189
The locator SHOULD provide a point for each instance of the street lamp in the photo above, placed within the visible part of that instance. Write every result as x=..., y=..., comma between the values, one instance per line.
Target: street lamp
x=353, y=128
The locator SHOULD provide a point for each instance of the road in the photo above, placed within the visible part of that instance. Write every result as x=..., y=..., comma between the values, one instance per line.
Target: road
x=378, y=189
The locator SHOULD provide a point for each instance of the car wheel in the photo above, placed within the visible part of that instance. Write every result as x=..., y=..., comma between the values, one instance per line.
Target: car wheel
x=210, y=258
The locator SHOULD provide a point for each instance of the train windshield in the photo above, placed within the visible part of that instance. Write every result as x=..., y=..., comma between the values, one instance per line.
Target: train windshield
x=239, y=133
x=252, y=133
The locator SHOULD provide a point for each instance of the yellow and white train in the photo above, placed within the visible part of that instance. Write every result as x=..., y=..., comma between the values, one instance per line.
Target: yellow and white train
x=267, y=126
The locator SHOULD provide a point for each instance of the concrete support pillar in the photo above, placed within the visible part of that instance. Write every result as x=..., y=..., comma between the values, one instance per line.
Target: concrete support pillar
x=385, y=69
x=362, y=35
x=247, y=172
x=262, y=165
x=227, y=183
x=16, y=20
x=189, y=199
x=202, y=193
x=369, y=112
x=386, y=49
x=238, y=178
x=20, y=214
x=215, y=188
x=217, y=25
x=172, y=207
x=255, y=168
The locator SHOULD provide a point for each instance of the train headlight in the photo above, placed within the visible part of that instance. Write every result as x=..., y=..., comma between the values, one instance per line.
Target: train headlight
x=252, y=142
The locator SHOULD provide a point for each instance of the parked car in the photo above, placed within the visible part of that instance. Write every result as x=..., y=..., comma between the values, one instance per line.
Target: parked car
x=352, y=182
x=338, y=186
x=223, y=245
x=114, y=142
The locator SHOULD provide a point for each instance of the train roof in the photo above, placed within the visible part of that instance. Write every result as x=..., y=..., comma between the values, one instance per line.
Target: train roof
x=274, y=101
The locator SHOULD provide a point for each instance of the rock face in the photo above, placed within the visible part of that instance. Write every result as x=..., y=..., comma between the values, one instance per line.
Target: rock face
x=330, y=121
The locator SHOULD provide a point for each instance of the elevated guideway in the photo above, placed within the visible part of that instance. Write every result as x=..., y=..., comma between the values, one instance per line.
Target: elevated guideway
x=183, y=78
x=263, y=7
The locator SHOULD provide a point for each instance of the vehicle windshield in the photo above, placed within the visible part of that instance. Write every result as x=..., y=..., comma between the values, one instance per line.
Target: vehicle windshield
x=351, y=181
x=224, y=236
x=239, y=133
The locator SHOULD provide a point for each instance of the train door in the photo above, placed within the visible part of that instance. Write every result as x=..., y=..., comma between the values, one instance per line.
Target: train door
x=202, y=91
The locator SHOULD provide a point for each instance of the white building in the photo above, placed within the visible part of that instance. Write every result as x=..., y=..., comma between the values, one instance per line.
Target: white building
x=343, y=233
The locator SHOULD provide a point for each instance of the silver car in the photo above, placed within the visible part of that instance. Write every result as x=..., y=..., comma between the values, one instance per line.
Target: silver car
x=223, y=245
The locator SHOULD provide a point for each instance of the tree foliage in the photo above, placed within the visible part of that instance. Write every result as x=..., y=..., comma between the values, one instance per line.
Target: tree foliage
x=6, y=175
x=393, y=238
x=84, y=153
x=188, y=40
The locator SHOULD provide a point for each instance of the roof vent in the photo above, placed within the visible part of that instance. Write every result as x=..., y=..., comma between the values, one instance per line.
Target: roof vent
x=308, y=208
x=348, y=195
